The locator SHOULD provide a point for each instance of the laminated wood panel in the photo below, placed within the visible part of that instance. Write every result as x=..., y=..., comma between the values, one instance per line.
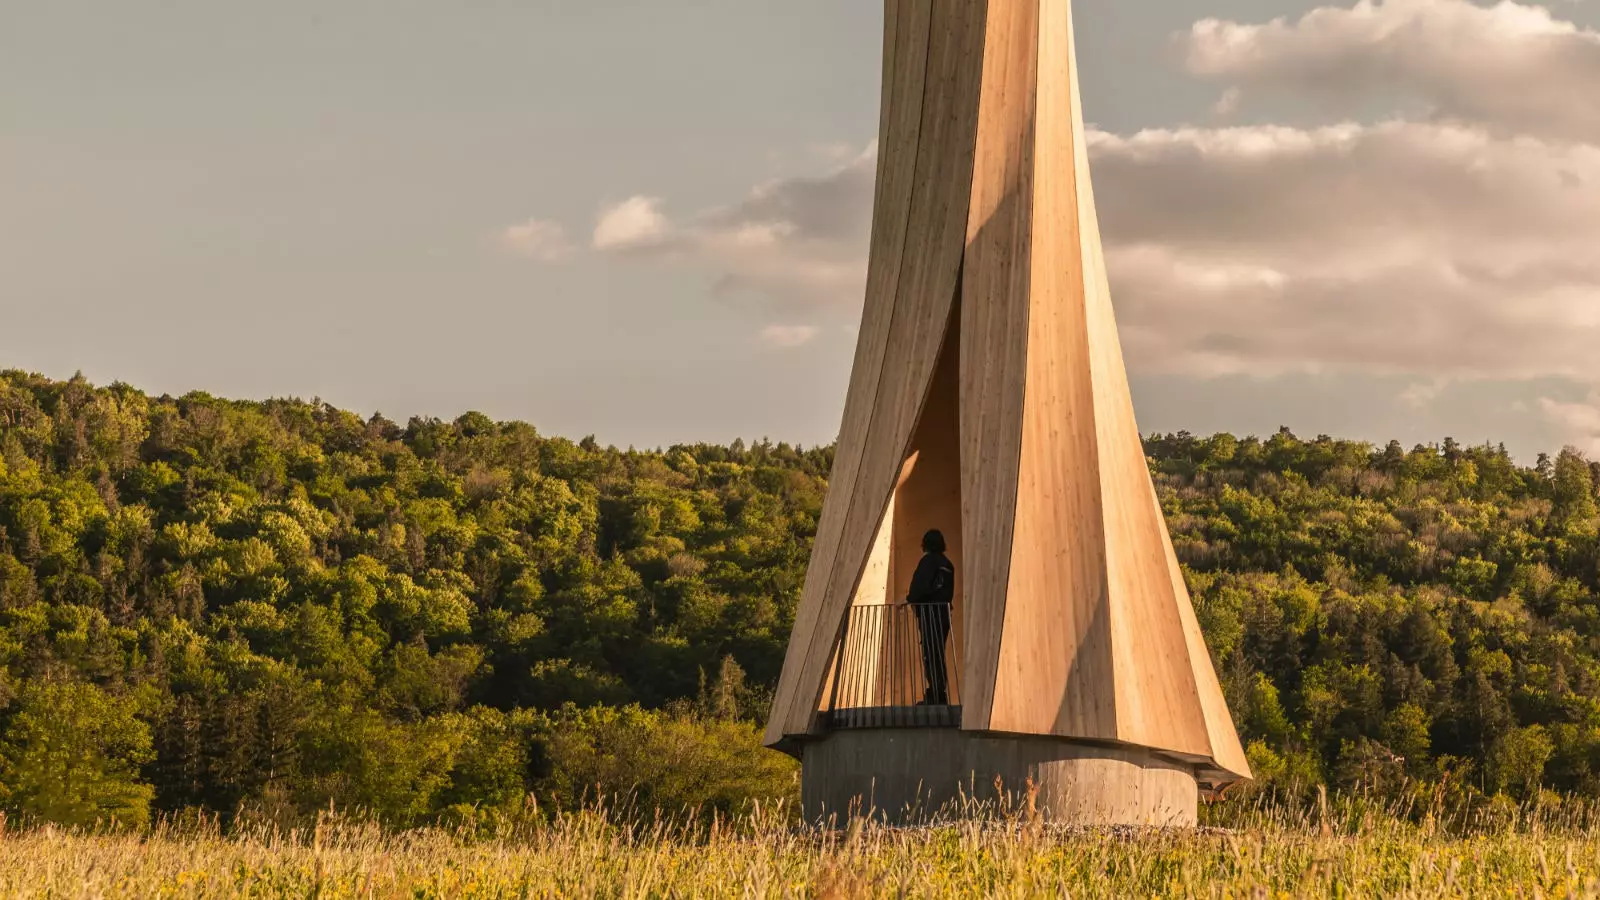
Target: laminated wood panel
x=1157, y=698
x=912, y=281
x=1098, y=639
x=994, y=335
x=1055, y=667
x=905, y=52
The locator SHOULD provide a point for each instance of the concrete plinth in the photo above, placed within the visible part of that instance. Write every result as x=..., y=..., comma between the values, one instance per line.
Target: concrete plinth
x=910, y=775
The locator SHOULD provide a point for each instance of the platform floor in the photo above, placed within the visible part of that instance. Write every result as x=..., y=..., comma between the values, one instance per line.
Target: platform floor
x=896, y=717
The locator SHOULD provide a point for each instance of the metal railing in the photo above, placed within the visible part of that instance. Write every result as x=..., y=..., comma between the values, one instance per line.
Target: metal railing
x=896, y=667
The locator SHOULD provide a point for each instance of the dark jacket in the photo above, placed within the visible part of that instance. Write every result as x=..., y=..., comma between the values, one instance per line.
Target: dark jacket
x=934, y=581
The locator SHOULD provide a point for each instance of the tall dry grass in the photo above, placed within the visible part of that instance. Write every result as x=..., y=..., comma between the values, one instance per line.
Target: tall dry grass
x=1337, y=849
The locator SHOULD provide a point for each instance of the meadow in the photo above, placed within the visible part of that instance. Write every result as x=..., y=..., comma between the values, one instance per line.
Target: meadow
x=1354, y=850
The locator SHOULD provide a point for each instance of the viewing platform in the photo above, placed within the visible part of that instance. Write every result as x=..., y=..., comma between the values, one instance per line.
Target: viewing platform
x=882, y=678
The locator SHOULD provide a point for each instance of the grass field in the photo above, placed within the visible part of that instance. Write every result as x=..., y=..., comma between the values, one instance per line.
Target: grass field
x=1272, y=855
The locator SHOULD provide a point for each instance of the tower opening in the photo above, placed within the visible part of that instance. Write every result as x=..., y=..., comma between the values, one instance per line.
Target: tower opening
x=898, y=665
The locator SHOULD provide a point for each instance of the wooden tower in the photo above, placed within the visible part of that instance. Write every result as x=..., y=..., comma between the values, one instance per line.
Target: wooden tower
x=989, y=399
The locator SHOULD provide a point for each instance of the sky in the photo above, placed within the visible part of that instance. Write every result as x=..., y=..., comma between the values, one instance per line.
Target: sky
x=647, y=221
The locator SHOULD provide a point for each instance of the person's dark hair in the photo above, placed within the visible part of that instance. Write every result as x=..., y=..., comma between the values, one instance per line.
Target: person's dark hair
x=933, y=541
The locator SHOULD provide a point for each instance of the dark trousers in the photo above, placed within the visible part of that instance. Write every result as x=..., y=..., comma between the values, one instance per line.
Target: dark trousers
x=933, y=621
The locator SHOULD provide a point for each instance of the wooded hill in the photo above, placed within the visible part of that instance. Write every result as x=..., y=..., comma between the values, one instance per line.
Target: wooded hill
x=264, y=608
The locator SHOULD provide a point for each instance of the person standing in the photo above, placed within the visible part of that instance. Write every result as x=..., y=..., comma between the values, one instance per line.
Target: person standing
x=933, y=589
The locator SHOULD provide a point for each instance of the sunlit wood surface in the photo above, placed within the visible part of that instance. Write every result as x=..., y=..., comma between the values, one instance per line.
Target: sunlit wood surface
x=989, y=399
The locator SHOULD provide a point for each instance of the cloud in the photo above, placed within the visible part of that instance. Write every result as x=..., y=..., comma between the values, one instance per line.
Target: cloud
x=635, y=224
x=1510, y=65
x=1430, y=249
x=537, y=239
x=797, y=243
x=789, y=336
x=1457, y=243
x=1452, y=245
x=1422, y=248
x=1579, y=423
x=1420, y=394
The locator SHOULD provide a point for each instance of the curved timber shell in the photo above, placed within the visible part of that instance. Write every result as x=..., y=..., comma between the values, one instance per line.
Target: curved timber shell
x=989, y=398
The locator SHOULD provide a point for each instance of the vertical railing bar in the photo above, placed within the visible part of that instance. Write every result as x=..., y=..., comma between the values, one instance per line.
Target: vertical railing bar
x=864, y=653
x=950, y=657
x=900, y=648
x=944, y=660
x=847, y=671
x=943, y=614
x=887, y=664
x=887, y=712
x=912, y=630
x=903, y=696
x=924, y=660
x=929, y=688
x=955, y=663
x=855, y=662
x=887, y=624
x=892, y=644
x=910, y=658
x=931, y=615
x=869, y=662
x=877, y=668
x=944, y=657
x=856, y=666
x=893, y=635
x=864, y=668
x=858, y=673
x=839, y=669
x=901, y=692
x=894, y=664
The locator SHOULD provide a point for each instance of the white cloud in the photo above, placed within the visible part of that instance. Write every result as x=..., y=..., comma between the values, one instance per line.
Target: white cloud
x=1510, y=64
x=789, y=336
x=1437, y=250
x=1458, y=244
x=1401, y=247
x=537, y=239
x=797, y=243
x=633, y=224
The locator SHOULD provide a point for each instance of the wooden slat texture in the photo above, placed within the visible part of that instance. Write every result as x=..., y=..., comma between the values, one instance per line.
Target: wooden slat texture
x=1055, y=673
x=990, y=399
x=918, y=298
x=994, y=336
x=905, y=58
x=1157, y=702
x=927, y=285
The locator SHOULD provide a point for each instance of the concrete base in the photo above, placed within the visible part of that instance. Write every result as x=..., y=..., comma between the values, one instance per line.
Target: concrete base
x=904, y=776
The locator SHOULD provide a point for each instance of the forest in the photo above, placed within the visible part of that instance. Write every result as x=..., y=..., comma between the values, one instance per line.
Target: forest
x=261, y=610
